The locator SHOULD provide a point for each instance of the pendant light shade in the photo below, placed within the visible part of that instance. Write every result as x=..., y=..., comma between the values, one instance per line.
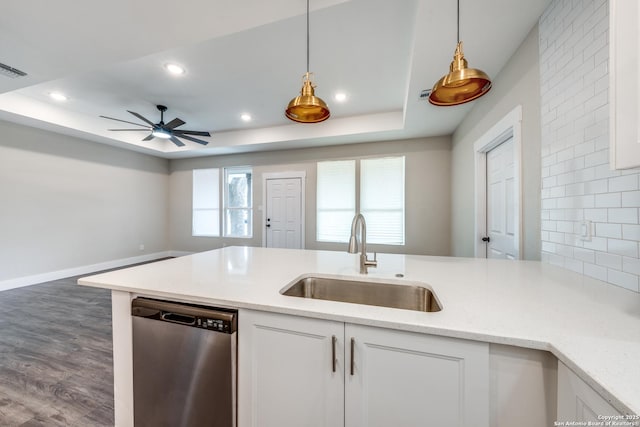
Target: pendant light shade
x=307, y=107
x=462, y=84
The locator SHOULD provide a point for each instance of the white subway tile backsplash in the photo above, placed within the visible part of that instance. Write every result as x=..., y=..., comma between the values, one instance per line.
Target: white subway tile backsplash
x=597, y=158
x=595, y=271
x=565, y=226
x=597, y=186
x=596, y=243
x=625, y=280
x=623, y=215
x=623, y=183
x=609, y=230
x=608, y=200
x=631, y=199
x=596, y=215
x=564, y=250
x=631, y=265
x=609, y=260
x=623, y=247
x=577, y=183
x=573, y=265
x=586, y=255
x=631, y=232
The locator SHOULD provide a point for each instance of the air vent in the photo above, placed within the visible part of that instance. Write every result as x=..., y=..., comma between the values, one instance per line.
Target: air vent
x=11, y=72
x=425, y=94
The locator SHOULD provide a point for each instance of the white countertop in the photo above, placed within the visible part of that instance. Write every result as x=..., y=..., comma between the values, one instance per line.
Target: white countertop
x=593, y=327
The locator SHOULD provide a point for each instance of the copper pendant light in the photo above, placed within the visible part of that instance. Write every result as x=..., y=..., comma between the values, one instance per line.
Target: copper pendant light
x=462, y=84
x=307, y=108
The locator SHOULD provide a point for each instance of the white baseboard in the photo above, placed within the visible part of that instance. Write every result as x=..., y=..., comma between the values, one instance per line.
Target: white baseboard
x=86, y=269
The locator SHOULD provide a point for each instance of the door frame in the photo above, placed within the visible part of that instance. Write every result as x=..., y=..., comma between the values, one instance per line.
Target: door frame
x=510, y=126
x=284, y=175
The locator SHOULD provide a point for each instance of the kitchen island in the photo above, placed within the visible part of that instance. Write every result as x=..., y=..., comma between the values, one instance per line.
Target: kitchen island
x=591, y=327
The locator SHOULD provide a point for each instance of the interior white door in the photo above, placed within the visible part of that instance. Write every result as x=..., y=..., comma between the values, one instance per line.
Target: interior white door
x=284, y=213
x=502, y=194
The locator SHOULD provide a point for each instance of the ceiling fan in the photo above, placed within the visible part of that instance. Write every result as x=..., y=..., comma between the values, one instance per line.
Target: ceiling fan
x=163, y=130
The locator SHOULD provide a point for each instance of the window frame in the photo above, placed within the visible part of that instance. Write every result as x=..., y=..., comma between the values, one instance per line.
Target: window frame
x=358, y=194
x=225, y=200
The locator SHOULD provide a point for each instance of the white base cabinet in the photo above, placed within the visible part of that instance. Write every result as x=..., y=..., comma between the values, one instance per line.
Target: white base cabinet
x=286, y=375
x=577, y=401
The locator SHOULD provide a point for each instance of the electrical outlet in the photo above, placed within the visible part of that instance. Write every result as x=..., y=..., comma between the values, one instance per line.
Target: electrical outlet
x=585, y=230
x=141, y=247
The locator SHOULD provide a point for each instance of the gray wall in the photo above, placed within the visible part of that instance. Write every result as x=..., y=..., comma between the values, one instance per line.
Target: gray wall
x=517, y=84
x=428, y=200
x=66, y=203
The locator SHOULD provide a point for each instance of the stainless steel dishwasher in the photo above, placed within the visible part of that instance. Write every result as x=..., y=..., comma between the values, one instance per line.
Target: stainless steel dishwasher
x=184, y=364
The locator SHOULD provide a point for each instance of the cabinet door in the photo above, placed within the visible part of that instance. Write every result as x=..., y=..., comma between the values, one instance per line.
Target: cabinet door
x=577, y=401
x=285, y=371
x=408, y=379
x=624, y=85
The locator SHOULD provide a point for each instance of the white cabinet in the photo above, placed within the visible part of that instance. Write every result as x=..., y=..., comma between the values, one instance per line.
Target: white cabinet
x=624, y=84
x=391, y=378
x=408, y=379
x=285, y=371
x=577, y=401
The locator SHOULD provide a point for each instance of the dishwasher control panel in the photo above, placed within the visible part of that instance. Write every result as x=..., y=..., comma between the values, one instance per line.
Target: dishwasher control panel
x=219, y=325
x=195, y=316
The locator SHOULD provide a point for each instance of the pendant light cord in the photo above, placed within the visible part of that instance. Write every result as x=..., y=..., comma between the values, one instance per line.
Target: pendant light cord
x=308, y=35
x=458, y=20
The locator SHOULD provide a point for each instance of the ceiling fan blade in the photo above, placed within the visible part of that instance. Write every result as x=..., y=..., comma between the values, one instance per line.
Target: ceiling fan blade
x=174, y=123
x=191, y=132
x=130, y=130
x=199, y=141
x=177, y=141
x=149, y=138
x=124, y=121
x=141, y=118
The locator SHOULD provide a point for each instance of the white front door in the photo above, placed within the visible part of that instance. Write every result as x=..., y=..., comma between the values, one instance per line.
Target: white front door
x=284, y=213
x=502, y=219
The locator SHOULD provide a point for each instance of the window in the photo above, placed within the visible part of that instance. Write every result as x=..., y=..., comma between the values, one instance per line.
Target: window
x=382, y=199
x=336, y=200
x=238, y=202
x=379, y=197
x=206, y=202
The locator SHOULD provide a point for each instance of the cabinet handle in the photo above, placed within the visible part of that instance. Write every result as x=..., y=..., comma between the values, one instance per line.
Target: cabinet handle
x=353, y=345
x=333, y=352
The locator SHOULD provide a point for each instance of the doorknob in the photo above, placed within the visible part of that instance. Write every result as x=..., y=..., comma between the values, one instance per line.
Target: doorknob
x=268, y=225
x=486, y=239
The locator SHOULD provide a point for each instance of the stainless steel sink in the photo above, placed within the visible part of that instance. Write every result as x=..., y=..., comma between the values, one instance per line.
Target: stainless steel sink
x=408, y=297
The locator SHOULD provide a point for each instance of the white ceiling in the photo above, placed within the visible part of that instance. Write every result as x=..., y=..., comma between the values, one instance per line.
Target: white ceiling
x=246, y=56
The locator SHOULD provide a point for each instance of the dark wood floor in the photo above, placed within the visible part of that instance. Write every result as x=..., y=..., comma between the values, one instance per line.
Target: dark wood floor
x=56, y=356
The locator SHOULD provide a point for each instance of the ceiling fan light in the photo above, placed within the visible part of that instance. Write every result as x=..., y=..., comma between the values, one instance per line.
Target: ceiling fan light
x=461, y=85
x=307, y=108
x=161, y=133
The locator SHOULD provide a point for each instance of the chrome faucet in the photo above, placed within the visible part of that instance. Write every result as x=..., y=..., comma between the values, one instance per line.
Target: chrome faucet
x=353, y=243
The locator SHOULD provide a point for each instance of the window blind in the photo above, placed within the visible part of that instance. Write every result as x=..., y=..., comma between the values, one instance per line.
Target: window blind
x=382, y=199
x=206, y=202
x=336, y=200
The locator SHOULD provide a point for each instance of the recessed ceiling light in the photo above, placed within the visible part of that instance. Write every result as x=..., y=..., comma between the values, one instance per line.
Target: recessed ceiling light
x=340, y=97
x=245, y=117
x=58, y=96
x=174, y=69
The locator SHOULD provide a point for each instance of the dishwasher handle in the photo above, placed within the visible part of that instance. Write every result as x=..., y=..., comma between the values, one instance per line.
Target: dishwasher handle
x=183, y=319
